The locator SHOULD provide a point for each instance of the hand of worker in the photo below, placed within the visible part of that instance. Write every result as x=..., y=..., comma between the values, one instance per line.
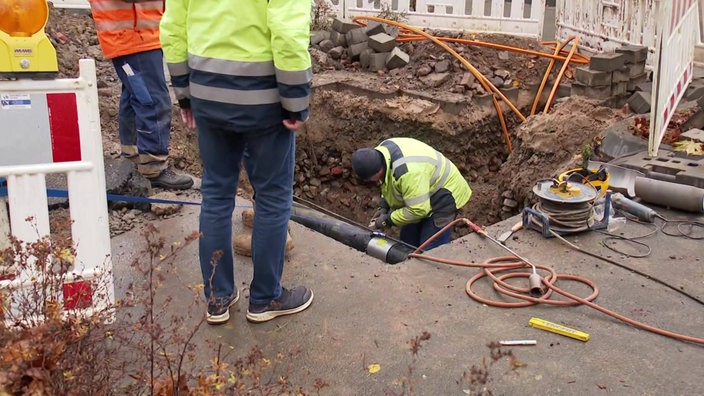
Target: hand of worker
x=187, y=118
x=293, y=124
x=380, y=211
x=383, y=221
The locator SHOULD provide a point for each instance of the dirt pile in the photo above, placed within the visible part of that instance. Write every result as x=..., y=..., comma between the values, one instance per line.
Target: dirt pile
x=550, y=143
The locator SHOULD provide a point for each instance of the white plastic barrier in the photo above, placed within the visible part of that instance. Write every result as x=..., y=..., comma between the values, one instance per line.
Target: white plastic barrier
x=53, y=126
x=604, y=25
x=678, y=23
x=80, y=4
x=516, y=17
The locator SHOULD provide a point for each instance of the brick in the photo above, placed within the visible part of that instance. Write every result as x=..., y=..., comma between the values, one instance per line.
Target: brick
x=621, y=75
x=634, y=81
x=374, y=27
x=694, y=92
x=695, y=134
x=592, y=78
x=343, y=25
x=639, y=102
x=356, y=36
x=633, y=53
x=619, y=88
x=563, y=90
x=696, y=120
x=511, y=94
x=382, y=42
x=327, y=45
x=607, y=62
x=397, y=58
x=601, y=92
x=644, y=86
x=319, y=36
x=356, y=49
x=364, y=58
x=336, y=53
x=485, y=100
x=636, y=69
x=338, y=39
x=378, y=61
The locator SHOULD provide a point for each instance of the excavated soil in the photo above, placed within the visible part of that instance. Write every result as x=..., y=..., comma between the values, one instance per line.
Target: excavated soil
x=348, y=112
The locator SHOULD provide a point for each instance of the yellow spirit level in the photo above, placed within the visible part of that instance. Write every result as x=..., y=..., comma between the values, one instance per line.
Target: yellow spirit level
x=543, y=324
x=25, y=50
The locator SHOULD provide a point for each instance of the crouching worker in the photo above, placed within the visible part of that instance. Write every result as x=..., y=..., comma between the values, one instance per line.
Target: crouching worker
x=422, y=190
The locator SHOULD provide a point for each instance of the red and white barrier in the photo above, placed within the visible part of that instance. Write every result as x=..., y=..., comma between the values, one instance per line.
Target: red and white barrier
x=678, y=33
x=53, y=126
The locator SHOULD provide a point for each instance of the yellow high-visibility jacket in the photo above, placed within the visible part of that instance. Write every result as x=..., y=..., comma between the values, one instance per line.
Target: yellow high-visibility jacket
x=247, y=60
x=420, y=182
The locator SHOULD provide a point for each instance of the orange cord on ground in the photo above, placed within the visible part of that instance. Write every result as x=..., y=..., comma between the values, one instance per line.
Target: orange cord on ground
x=508, y=265
x=558, y=55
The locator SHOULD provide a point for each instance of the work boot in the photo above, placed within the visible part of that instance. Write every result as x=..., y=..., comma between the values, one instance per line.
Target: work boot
x=171, y=180
x=290, y=302
x=243, y=244
x=248, y=217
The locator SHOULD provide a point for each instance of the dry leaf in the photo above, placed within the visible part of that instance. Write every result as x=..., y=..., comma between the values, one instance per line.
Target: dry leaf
x=690, y=147
x=374, y=368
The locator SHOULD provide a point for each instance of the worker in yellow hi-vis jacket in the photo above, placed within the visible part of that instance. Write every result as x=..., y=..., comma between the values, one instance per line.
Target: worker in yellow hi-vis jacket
x=422, y=190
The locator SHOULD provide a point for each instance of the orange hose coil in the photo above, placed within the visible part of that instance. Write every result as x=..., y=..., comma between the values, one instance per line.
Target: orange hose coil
x=493, y=268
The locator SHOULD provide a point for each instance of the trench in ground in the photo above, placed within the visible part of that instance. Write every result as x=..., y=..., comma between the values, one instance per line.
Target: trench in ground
x=345, y=118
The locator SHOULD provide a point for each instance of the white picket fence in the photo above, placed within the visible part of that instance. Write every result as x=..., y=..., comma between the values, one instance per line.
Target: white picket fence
x=53, y=126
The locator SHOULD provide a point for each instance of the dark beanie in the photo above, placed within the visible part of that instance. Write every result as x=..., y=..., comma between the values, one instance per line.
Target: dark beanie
x=367, y=162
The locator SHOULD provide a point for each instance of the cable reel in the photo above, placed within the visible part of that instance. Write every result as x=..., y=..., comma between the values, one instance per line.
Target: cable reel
x=564, y=207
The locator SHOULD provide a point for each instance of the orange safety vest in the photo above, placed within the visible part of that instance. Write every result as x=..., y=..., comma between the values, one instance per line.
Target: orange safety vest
x=126, y=28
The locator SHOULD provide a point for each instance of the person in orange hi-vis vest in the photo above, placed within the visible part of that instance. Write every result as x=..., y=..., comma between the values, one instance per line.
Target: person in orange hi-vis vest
x=128, y=32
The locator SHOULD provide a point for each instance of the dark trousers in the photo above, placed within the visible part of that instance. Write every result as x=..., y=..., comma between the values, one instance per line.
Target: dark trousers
x=269, y=161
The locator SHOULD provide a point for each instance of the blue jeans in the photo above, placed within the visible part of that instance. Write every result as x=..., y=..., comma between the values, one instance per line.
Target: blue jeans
x=417, y=233
x=269, y=163
x=145, y=110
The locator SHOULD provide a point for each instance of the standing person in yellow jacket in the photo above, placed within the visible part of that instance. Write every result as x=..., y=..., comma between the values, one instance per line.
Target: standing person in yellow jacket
x=128, y=32
x=421, y=190
x=241, y=72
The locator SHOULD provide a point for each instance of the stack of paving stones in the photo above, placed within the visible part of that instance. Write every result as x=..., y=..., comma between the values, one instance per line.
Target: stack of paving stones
x=373, y=46
x=611, y=74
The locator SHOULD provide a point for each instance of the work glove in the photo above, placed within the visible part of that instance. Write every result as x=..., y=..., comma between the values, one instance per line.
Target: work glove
x=383, y=221
x=380, y=211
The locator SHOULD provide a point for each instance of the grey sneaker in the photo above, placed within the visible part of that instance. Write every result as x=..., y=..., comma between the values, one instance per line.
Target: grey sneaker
x=220, y=313
x=290, y=302
x=171, y=180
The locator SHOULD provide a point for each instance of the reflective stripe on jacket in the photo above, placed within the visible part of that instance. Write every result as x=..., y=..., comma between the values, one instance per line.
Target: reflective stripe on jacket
x=248, y=59
x=414, y=172
x=127, y=28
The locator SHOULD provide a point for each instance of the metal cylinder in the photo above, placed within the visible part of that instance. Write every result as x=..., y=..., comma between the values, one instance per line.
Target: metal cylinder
x=643, y=212
x=379, y=248
x=536, y=285
x=673, y=195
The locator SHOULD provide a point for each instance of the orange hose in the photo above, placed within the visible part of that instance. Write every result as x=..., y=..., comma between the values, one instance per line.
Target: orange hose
x=558, y=54
x=509, y=265
x=488, y=86
x=578, y=58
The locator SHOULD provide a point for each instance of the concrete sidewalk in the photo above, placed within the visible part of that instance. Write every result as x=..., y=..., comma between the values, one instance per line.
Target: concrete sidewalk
x=365, y=312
